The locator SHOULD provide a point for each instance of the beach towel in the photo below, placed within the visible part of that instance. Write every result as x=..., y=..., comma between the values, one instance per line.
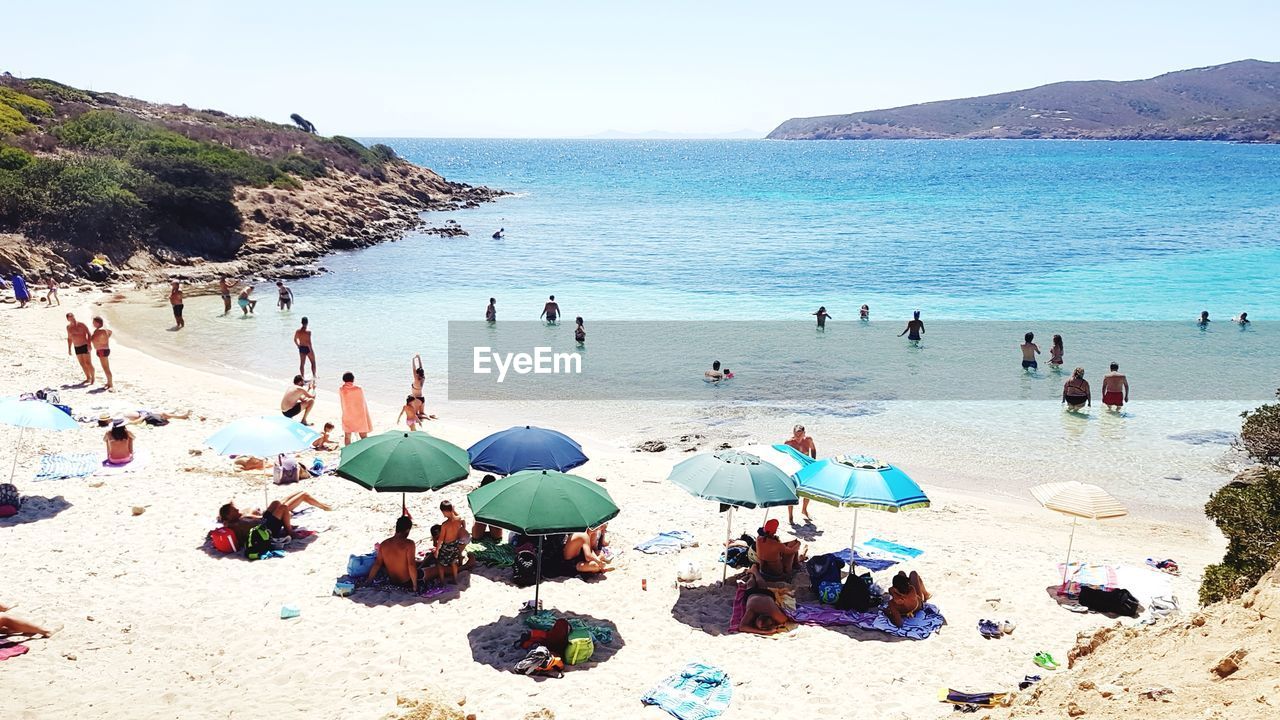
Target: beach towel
x=892, y=548
x=11, y=649
x=670, y=541
x=355, y=411
x=872, y=563
x=698, y=692
x=920, y=626
x=60, y=467
x=544, y=619
x=1101, y=577
x=876, y=554
x=492, y=553
x=784, y=594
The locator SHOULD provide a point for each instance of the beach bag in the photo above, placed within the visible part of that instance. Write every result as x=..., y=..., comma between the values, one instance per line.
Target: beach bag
x=688, y=572
x=579, y=648
x=823, y=569
x=224, y=540
x=829, y=592
x=540, y=661
x=524, y=572
x=1115, y=602
x=9, y=496
x=554, y=639
x=358, y=566
x=737, y=557
x=259, y=542
x=857, y=594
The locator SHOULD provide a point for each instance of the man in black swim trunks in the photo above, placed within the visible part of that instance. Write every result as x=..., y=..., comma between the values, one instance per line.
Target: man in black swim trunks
x=78, y=341
x=175, y=299
x=224, y=288
x=551, y=310
x=302, y=338
x=298, y=399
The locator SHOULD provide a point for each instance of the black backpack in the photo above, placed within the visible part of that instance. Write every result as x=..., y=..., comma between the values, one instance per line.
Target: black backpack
x=857, y=595
x=1115, y=602
x=259, y=542
x=525, y=570
x=823, y=568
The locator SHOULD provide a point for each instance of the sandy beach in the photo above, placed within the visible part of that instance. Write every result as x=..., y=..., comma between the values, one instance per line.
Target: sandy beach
x=157, y=626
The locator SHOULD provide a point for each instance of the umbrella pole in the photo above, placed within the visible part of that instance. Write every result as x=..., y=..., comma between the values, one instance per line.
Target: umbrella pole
x=16, y=449
x=1066, y=568
x=853, y=534
x=728, y=536
x=537, y=584
x=404, y=509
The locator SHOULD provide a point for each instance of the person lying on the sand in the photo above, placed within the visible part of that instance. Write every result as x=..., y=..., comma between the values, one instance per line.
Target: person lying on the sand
x=149, y=416
x=587, y=548
x=10, y=625
x=481, y=531
x=278, y=517
x=777, y=559
x=451, y=542
x=398, y=557
x=906, y=597
x=762, y=615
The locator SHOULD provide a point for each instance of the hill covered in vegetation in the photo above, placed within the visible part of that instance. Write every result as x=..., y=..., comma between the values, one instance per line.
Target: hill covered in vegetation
x=1238, y=101
x=150, y=186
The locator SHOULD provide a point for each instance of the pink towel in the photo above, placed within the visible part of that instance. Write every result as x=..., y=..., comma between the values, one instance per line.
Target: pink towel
x=355, y=411
x=11, y=650
x=739, y=609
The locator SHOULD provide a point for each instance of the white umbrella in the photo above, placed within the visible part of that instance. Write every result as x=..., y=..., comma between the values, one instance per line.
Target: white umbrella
x=1079, y=500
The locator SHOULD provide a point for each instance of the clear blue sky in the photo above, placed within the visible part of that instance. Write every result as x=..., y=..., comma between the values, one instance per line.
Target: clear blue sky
x=569, y=68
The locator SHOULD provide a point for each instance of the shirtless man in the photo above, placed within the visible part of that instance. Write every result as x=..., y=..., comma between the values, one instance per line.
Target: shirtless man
x=915, y=327
x=450, y=542
x=762, y=615
x=284, y=299
x=1029, y=352
x=398, y=556
x=302, y=339
x=246, y=303
x=822, y=316
x=803, y=444
x=175, y=300
x=714, y=374
x=101, y=341
x=491, y=312
x=481, y=531
x=777, y=559
x=588, y=546
x=551, y=310
x=1115, y=388
x=298, y=399
x=280, y=510
x=224, y=289
x=78, y=342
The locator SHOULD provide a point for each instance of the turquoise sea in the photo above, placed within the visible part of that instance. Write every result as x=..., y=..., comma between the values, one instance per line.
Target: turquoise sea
x=1036, y=232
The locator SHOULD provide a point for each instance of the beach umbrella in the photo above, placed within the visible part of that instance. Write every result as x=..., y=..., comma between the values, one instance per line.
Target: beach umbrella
x=526, y=448
x=541, y=503
x=859, y=482
x=35, y=414
x=736, y=479
x=784, y=457
x=1079, y=500
x=262, y=437
x=403, y=462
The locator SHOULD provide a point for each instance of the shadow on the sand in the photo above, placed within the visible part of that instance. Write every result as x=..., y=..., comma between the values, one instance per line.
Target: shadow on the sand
x=36, y=508
x=496, y=644
x=706, y=607
x=387, y=595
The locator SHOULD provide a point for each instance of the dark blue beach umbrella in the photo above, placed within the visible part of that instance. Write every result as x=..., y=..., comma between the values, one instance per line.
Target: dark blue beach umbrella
x=526, y=448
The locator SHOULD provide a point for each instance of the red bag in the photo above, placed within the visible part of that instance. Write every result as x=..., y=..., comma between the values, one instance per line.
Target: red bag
x=224, y=539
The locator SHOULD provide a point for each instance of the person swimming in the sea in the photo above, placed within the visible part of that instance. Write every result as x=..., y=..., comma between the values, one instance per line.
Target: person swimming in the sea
x=1204, y=319
x=864, y=313
x=1242, y=319
x=822, y=316
x=915, y=327
x=714, y=374
x=498, y=235
x=728, y=374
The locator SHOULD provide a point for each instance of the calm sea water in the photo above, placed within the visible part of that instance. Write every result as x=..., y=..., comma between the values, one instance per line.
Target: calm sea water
x=755, y=230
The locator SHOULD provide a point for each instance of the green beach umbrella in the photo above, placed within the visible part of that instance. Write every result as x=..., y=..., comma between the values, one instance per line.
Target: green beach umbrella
x=542, y=502
x=403, y=462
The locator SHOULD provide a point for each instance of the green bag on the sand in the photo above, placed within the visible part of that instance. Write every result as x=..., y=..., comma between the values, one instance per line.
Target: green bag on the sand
x=580, y=647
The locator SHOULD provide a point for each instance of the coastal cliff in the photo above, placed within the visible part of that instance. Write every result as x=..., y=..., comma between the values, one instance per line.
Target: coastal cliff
x=1238, y=101
x=198, y=193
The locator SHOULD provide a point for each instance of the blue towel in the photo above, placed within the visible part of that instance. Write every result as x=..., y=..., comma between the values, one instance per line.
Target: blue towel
x=666, y=542
x=699, y=692
x=918, y=627
x=870, y=563
x=58, y=467
x=907, y=553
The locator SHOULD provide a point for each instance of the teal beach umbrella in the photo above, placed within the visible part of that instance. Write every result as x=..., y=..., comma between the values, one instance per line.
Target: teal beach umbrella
x=403, y=462
x=36, y=414
x=262, y=437
x=858, y=482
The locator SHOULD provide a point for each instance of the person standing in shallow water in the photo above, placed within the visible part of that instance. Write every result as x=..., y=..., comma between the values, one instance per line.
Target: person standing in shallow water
x=551, y=310
x=306, y=351
x=915, y=327
x=1055, y=353
x=822, y=316
x=1204, y=319
x=579, y=332
x=224, y=289
x=175, y=301
x=1029, y=352
x=491, y=312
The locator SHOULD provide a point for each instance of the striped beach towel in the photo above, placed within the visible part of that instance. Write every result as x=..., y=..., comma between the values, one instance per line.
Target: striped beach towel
x=698, y=692
x=1102, y=577
x=60, y=467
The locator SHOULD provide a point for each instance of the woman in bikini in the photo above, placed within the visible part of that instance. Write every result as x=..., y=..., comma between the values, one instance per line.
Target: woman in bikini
x=418, y=378
x=1055, y=353
x=906, y=597
x=119, y=444
x=1075, y=392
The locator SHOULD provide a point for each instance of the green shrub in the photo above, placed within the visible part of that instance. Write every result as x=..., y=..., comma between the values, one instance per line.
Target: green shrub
x=1260, y=433
x=57, y=91
x=84, y=198
x=25, y=104
x=384, y=153
x=1249, y=516
x=353, y=148
x=12, y=158
x=302, y=166
x=286, y=182
x=12, y=122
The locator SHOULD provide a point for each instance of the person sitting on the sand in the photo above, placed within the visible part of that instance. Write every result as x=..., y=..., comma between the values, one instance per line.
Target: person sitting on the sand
x=762, y=614
x=907, y=597
x=279, y=516
x=10, y=625
x=287, y=470
x=119, y=443
x=451, y=542
x=324, y=442
x=481, y=531
x=587, y=548
x=398, y=557
x=777, y=559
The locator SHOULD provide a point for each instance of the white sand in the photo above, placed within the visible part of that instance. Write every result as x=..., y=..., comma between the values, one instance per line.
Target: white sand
x=156, y=627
